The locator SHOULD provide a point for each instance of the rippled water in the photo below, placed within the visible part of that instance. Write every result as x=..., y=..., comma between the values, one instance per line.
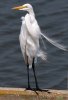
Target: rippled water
x=52, y=16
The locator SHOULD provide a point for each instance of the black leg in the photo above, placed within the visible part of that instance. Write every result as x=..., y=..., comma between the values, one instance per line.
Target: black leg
x=28, y=77
x=33, y=66
x=28, y=74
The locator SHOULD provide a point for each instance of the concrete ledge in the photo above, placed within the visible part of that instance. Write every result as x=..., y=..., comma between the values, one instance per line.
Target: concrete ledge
x=23, y=94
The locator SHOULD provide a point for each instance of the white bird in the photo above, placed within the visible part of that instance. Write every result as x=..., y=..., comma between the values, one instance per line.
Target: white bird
x=29, y=39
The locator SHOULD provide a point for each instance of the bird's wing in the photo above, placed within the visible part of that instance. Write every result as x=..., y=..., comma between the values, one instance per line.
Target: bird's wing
x=54, y=43
x=34, y=31
x=32, y=26
x=23, y=38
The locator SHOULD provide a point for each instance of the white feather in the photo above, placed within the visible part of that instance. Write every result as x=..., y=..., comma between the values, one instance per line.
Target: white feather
x=54, y=43
x=42, y=55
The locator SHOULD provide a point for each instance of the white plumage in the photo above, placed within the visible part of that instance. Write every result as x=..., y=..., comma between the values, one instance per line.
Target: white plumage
x=29, y=39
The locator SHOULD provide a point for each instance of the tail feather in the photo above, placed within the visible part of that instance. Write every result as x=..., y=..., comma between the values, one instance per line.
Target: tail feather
x=42, y=55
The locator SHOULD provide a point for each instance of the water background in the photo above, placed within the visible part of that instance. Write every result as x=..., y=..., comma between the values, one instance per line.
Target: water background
x=52, y=16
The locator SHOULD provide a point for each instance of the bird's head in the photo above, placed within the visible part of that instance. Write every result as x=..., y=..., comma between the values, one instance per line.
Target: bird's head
x=25, y=7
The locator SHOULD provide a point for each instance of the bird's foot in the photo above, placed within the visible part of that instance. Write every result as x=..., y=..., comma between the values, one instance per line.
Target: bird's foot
x=38, y=89
x=28, y=88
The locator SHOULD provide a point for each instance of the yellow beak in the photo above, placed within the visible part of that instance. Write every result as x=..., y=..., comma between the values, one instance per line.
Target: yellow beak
x=19, y=7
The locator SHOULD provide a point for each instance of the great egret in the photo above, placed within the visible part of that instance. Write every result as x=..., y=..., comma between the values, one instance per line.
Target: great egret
x=29, y=39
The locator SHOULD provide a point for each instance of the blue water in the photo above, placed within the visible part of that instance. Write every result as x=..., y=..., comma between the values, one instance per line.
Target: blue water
x=52, y=16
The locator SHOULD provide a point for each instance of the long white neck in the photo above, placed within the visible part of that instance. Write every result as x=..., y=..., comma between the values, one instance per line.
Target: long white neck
x=31, y=12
